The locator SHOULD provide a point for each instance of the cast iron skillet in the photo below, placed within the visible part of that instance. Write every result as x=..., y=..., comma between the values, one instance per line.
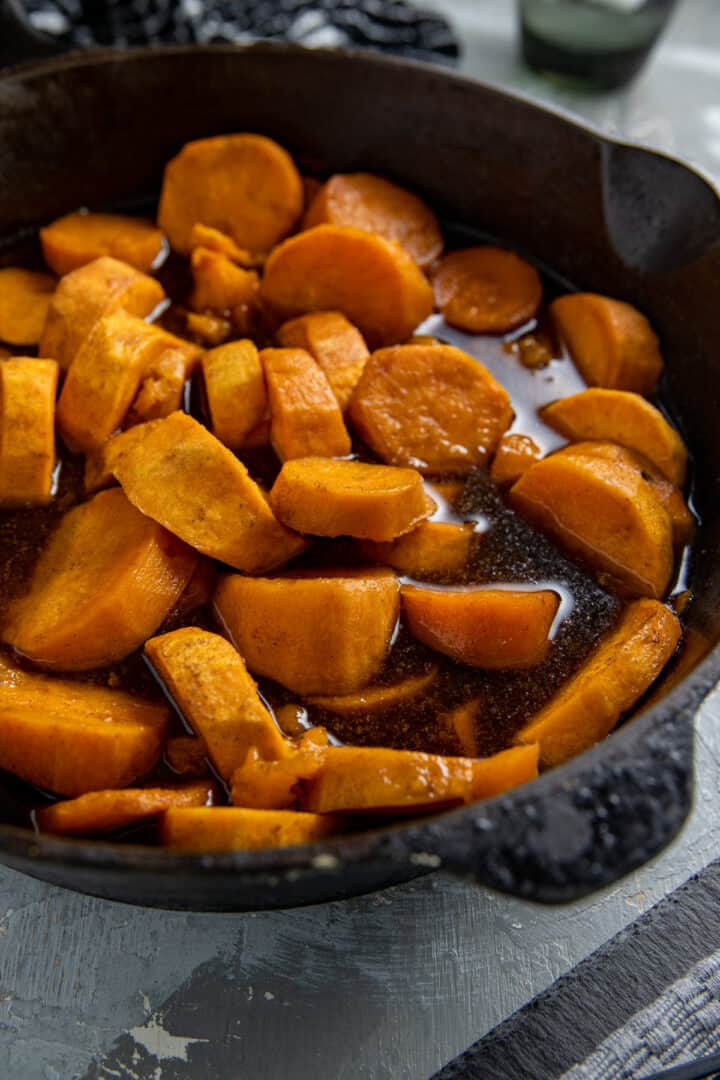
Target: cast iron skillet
x=97, y=129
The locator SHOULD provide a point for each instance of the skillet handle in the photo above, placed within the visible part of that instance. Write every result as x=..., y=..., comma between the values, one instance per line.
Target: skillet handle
x=19, y=42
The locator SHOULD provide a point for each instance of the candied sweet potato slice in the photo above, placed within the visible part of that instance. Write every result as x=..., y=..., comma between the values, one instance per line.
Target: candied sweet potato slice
x=183, y=477
x=100, y=466
x=621, y=417
x=434, y=547
x=274, y=785
x=244, y=185
x=225, y=289
x=84, y=295
x=208, y=681
x=429, y=406
x=602, y=511
x=486, y=290
x=235, y=391
x=487, y=628
x=187, y=755
x=610, y=342
x=514, y=455
x=370, y=202
x=588, y=706
x=324, y=497
x=105, y=581
x=372, y=281
x=319, y=633
x=230, y=828
x=27, y=430
x=70, y=737
x=204, y=236
x=334, y=343
x=206, y=329
x=104, y=811
x=305, y=417
x=374, y=699
x=79, y=238
x=25, y=297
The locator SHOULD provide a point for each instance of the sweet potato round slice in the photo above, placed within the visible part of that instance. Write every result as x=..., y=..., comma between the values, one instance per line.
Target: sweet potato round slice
x=78, y=238
x=235, y=391
x=610, y=342
x=372, y=281
x=27, y=431
x=104, y=811
x=514, y=455
x=305, y=417
x=605, y=513
x=369, y=202
x=105, y=581
x=230, y=828
x=486, y=290
x=487, y=628
x=429, y=406
x=24, y=301
x=349, y=498
x=324, y=633
x=434, y=547
x=611, y=680
x=621, y=417
x=246, y=186
x=334, y=343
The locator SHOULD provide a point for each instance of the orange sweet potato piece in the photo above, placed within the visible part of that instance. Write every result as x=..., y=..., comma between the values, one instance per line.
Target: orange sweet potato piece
x=324, y=633
x=429, y=406
x=372, y=281
x=324, y=497
x=487, y=628
x=225, y=289
x=104, y=811
x=244, y=185
x=305, y=417
x=334, y=343
x=369, y=202
x=230, y=828
x=70, y=737
x=514, y=455
x=461, y=725
x=376, y=698
x=434, y=547
x=24, y=301
x=602, y=511
x=486, y=290
x=100, y=466
x=27, y=430
x=105, y=581
x=274, y=785
x=504, y=771
x=84, y=295
x=621, y=417
x=235, y=391
x=77, y=239
x=187, y=756
x=170, y=362
x=615, y=675
x=183, y=477
x=205, y=329
x=209, y=683
x=204, y=236
x=610, y=342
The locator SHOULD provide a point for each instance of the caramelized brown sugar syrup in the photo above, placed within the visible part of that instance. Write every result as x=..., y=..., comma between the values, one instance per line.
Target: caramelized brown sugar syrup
x=506, y=552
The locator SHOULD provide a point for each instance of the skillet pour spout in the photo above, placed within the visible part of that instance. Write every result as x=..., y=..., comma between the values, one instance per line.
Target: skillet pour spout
x=609, y=218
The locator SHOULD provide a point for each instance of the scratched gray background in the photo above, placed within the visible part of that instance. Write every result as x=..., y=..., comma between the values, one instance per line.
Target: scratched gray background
x=387, y=987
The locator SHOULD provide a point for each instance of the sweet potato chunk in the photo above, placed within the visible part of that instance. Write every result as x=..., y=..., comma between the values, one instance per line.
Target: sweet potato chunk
x=235, y=391
x=429, y=406
x=183, y=477
x=514, y=455
x=104, y=811
x=100, y=466
x=486, y=290
x=170, y=363
x=69, y=737
x=79, y=238
x=105, y=581
x=208, y=681
x=305, y=417
x=274, y=785
x=602, y=511
x=487, y=628
x=207, y=330
x=334, y=343
x=369, y=202
x=24, y=300
x=27, y=431
x=434, y=547
x=231, y=828
x=225, y=289
x=85, y=295
x=372, y=281
x=325, y=633
x=609, y=683
x=244, y=185
x=621, y=417
x=187, y=756
x=376, y=698
x=349, y=498
x=204, y=236
x=610, y=342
